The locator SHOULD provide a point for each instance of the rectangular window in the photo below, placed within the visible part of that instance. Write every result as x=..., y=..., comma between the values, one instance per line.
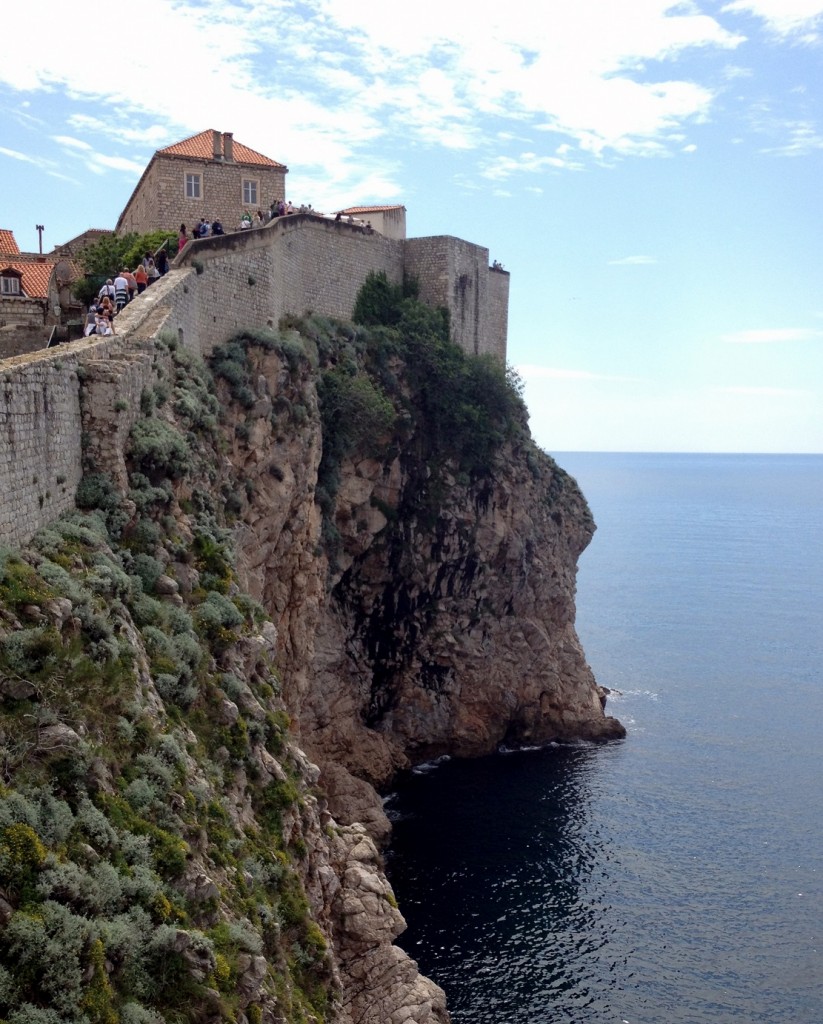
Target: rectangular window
x=192, y=186
x=11, y=286
x=249, y=192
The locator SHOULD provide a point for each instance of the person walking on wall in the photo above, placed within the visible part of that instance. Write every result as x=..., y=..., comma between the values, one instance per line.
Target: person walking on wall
x=132, y=282
x=182, y=237
x=121, y=292
x=151, y=269
x=91, y=321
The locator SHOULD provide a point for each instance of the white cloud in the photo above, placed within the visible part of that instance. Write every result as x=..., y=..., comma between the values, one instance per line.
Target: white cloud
x=116, y=163
x=632, y=261
x=784, y=17
x=46, y=165
x=70, y=142
x=803, y=138
x=770, y=335
x=15, y=154
x=315, y=84
x=501, y=167
x=734, y=71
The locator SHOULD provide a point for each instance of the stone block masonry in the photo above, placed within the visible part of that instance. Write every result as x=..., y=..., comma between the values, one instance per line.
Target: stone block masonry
x=456, y=274
x=40, y=430
x=67, y=407
x=160, y=201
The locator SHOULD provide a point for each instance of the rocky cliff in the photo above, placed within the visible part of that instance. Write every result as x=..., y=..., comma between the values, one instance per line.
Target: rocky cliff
x=333, y=553
x=441, y=617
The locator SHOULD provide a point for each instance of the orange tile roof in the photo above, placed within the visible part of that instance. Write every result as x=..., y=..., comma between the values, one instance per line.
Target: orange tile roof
x=8, y=244
x=371, y=209
x=200, y=147
x=36, y=276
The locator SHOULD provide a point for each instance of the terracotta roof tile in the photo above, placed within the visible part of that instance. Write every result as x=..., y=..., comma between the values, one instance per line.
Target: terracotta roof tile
x=354, y=210
x=8, y=245
x=200, y=147
x=36, y=276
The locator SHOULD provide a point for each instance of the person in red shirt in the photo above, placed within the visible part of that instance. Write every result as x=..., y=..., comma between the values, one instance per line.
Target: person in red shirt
x=141, y=277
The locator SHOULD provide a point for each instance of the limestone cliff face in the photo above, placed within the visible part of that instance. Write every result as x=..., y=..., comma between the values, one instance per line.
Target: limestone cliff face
x=442, y=621
x=455, y=637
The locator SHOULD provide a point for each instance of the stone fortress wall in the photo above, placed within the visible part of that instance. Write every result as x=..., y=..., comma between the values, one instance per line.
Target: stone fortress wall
x=54, y=400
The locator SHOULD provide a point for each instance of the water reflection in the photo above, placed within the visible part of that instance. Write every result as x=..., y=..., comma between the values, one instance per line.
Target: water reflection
x=503, y=880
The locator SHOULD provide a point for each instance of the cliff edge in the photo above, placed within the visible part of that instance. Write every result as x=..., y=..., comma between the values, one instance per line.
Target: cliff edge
x=417, y=551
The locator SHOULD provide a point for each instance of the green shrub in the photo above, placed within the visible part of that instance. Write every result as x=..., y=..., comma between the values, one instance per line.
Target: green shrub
x=355, y=415
x=158, y=449
x=22, y=855
x=148, y=569
x=31, y=652
x=216, y=619
x=230, y=362
x=378, y=300
x=145, y=496
x=21, y=585
x=47, y=948
x=97, y=491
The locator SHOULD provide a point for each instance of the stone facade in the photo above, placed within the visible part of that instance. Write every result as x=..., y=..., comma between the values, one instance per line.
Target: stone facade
x=40, y=464
x=456, y=274
x=74, y=246
x=388, y=220
x=208, y=176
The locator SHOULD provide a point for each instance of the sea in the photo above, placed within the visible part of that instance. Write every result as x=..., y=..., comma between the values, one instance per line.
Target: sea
x=676, y=876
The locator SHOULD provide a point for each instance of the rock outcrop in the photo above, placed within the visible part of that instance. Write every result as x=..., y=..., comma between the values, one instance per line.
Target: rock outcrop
x=435, y=627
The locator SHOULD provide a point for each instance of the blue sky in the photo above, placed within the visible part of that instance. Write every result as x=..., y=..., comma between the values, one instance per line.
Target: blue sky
x=649, y=172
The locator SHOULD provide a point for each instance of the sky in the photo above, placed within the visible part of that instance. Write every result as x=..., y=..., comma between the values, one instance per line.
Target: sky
x=649, y=172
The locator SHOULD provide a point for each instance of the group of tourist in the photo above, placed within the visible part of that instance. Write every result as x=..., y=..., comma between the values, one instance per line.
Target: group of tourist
x=206, y=228
x=201, y=230
x=119, y=291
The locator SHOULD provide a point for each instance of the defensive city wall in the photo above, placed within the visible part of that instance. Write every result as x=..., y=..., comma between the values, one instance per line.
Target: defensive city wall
x=84, y=397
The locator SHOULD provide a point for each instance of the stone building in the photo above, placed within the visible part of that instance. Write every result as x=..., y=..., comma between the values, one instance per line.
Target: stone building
x=74, y=246
x=34, y=295
x=387, y=220
x=210, y=176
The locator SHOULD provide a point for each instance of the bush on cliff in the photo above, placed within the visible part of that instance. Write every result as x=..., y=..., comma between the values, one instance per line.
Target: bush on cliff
x=463, y=406
x=381, y=302
x=158, y=449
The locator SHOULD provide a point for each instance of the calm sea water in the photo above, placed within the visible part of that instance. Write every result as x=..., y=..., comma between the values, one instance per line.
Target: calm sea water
x=676, y=876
